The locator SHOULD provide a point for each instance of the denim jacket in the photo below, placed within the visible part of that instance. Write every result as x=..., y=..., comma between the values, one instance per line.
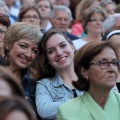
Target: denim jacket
x=50, y=93
x=29, y=87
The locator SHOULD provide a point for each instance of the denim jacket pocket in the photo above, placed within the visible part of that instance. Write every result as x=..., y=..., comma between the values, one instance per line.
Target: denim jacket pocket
x=58, y=97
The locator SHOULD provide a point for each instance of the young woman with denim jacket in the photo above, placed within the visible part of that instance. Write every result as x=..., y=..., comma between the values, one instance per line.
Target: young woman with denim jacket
x=21, y=48
x=56, y=74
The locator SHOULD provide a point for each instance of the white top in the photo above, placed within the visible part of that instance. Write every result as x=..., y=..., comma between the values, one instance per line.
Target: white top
x=114, y=32
x=49, y=26
x=78, y=43
x=115, y=89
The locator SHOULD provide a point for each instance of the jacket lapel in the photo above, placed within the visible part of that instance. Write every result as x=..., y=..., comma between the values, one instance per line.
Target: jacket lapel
x=96, y=111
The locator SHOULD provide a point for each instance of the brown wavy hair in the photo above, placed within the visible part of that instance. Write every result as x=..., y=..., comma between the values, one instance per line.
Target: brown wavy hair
x=84, y=56
x=4, y=19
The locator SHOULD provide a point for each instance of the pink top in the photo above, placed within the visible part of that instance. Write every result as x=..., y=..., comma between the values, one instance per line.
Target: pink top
x=77, y=29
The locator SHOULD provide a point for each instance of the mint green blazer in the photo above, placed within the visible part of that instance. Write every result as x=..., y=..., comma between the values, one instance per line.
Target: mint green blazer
x=85, y=108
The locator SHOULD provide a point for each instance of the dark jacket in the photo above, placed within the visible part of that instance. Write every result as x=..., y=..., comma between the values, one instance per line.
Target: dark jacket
x=2, y=61
x=72, y=37
x=69, y=35
x=29, y=87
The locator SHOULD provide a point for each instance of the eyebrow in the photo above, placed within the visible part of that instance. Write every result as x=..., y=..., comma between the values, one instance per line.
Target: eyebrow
x=58, y=44
x=23, y=42
x=113, y=59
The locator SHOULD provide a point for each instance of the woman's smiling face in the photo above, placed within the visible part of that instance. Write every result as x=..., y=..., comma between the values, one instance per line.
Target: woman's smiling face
x=22, y=53
x=60, y=53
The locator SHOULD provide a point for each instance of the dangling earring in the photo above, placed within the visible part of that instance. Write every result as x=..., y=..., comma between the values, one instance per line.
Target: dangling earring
x=7, y=57
x=87, y=79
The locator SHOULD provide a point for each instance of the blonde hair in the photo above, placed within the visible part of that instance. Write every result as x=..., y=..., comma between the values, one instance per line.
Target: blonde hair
x=88, y=14
x=22, y=30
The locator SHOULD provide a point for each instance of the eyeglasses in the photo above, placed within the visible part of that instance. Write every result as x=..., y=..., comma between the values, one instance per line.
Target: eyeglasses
x=106, y=64
x=95, y=20
x=29, y=17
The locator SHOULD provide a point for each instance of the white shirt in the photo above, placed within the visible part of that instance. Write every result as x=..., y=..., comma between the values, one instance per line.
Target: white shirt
x=78, y=43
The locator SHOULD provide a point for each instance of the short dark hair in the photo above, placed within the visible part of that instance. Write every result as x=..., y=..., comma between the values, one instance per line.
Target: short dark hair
x=4, y=19
x=84, y=56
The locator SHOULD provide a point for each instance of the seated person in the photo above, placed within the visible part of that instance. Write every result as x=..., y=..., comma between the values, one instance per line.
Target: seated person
x=96, y=65
x=60, y=18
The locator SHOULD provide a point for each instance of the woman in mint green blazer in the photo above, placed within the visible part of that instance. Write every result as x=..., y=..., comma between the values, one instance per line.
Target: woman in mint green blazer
x=96, y=65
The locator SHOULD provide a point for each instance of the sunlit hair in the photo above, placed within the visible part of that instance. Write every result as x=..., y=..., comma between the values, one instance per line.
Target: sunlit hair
x=22, y=30
x=26, y=8
x=13, y=104
x=46, y=70
x=83, y=58
x=88, y=14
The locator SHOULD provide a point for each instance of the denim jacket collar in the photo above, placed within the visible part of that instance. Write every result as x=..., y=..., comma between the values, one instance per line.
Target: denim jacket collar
x=57, y=81
x=26, y=74
x=27, y=82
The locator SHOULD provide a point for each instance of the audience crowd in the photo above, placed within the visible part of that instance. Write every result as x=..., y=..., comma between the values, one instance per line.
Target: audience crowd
x=59, y=60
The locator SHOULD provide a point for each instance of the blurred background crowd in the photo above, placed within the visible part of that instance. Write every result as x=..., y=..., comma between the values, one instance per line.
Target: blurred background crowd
x=28, y=33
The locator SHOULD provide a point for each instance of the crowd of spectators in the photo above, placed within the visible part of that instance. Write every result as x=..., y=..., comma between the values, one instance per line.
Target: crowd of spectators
x=59, y=59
